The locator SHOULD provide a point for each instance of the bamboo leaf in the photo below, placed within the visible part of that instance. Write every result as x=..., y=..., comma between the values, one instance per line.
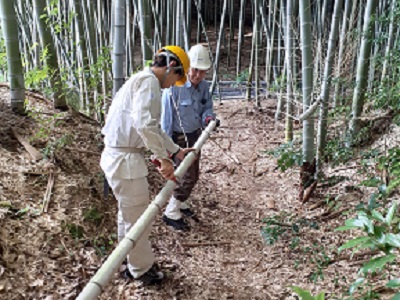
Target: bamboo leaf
x=355, y=285
x=303, y=294
x=396, y=297
x=373, y=182
x=354, y=223
x=320, y=296
x=362, y=221
x=393, y=240
x=376, y=264
x=390, y=214
x=354, y=242
x=394, y=283
x=370, y=244
x=378, y=216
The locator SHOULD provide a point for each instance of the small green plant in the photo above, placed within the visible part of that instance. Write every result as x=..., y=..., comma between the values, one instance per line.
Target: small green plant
x=287, y=156
x=320, y=260
x=275, y=228
x=272, y=231
x=59, y=143
x=306, y=295
x=93, y=215
x=76, y=231
x=103, y=244
x=242, y=76
x=381, y=232
x=336, y=152
x=278, y=84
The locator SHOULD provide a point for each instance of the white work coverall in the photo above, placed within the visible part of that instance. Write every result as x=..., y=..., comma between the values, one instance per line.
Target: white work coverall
x=133, y=123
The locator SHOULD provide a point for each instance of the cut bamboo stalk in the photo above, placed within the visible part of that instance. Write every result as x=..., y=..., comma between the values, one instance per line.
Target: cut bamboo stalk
x=36, y=155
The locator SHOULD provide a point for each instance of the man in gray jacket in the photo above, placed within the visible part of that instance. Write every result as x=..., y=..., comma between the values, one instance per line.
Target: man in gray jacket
x=185, y=111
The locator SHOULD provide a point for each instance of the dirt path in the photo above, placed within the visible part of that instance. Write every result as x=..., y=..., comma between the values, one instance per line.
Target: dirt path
x=53, y=255
x=237, y=185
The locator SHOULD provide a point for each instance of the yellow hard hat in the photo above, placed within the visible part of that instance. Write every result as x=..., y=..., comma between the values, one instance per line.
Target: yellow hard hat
x=183, y=59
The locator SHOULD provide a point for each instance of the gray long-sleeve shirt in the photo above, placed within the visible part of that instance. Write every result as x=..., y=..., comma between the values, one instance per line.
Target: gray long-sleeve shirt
x=185, y=109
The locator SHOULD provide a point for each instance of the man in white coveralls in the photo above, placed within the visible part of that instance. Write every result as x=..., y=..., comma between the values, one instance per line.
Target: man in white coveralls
x=133, y=124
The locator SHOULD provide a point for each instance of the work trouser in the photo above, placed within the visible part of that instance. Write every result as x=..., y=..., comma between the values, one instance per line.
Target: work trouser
x=188, y=181
x=133, y=199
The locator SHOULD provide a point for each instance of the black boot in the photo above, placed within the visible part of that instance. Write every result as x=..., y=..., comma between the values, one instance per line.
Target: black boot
x=179, y=224
x=187, y=212
x=152, y=277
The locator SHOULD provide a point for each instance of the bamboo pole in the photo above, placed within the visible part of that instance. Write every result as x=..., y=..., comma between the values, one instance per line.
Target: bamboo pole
x=240, y=36
x=307, y=80
x=289, y=80
x=340, y=52
x=389, y=41
x=326, y=82
x=118, y=45
x=362, y=70
x=15, y=71
x=217, y=55
x=256, y=38
x=97, y=284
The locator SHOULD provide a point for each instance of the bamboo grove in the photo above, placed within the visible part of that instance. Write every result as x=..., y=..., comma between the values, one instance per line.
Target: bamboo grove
x=317, y=57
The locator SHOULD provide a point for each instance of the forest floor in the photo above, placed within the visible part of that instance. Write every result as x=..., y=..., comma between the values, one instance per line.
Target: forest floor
x=262, y=239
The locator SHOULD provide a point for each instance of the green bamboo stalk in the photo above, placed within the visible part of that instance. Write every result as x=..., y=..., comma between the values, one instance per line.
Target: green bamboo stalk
x=269, y=66
x=326, y=81
x=185, y=32
x=157, y=31
x=249, y=83
x=217, y=55
x=83, y=54
x=198, y=32
x=389, y=41
x=118, y=45
x=188, y=23
x=341, y=51
x=240, y=37
x=362, y=71
x=256, y=57
x=203, y=27
x=231, y=32
x=51, y=57
x=307, y=82
x=14, y=64
x=289, y=82
x=145, y=30
x=376, y=47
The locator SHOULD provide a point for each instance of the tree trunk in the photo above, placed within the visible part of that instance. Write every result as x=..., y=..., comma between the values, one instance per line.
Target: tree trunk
x=14, y=63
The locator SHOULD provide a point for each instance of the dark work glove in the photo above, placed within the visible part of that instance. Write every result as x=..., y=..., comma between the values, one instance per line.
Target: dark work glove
x=217, y=121
x=209, y=119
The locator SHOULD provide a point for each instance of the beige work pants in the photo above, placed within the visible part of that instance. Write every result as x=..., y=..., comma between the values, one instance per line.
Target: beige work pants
x=133, y=199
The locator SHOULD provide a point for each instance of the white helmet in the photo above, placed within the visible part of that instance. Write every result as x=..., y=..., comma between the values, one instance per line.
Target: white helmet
x=199, y=58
